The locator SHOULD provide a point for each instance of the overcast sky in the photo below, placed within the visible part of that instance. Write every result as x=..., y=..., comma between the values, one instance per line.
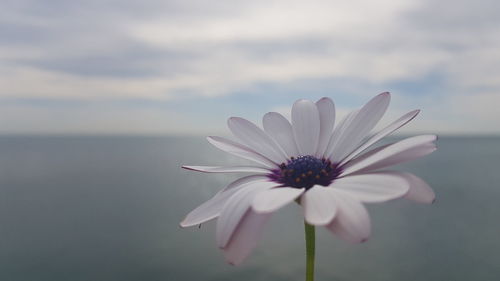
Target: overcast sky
x=184, y=67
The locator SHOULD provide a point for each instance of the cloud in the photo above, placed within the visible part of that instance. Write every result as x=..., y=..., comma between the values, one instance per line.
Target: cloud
x=97, y=119
x=179, y=52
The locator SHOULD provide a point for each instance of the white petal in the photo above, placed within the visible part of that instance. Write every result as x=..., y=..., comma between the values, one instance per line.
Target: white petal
x=326, y=109
x=233, y=169
x=234, y=209
x=339, y=131
x=364, y=121
x=382, y=133
x=319, y=205
x=352, y=222
x=373, y=187
x=281, y=131
x=401, y=151
x=240, y=150
x=255, y=138
x=365, y=155
x=271, y=200
x=212, y=208
x=245, y=180
x=205, y=212
x=245, y=237
x=404, y=156
x=305, y=123
x=419, y=191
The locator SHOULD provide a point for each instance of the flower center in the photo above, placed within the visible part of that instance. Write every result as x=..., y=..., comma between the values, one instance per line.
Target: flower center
x=305, y=171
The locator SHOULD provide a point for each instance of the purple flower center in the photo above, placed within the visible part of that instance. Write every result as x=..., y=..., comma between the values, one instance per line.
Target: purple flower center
x=305, y=171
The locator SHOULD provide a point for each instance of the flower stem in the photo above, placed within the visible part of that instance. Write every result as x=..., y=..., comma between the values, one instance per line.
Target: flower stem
x=310, y=249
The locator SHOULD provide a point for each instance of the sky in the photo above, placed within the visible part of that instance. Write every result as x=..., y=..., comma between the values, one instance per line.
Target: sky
x=183, y=67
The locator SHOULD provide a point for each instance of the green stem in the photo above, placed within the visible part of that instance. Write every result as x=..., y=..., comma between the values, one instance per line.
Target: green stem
x=310, y=249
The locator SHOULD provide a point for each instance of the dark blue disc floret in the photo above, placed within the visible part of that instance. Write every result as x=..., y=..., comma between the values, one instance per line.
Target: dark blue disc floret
x=305, y=172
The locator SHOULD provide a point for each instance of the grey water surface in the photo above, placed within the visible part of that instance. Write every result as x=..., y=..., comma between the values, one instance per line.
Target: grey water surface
x=108, y=208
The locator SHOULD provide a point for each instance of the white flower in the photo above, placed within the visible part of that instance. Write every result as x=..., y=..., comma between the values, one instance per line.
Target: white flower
x=324, y=168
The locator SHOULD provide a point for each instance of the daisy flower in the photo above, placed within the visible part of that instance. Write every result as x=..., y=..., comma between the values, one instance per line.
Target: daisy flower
x=329, y=170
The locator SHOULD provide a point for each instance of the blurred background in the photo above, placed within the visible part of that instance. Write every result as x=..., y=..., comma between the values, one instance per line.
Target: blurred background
x=102, y=101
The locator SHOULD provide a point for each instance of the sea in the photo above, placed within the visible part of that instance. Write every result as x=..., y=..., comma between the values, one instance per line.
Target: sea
x=107, y=208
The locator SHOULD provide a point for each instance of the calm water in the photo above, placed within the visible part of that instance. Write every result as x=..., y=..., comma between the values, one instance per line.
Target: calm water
x=107, y=208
